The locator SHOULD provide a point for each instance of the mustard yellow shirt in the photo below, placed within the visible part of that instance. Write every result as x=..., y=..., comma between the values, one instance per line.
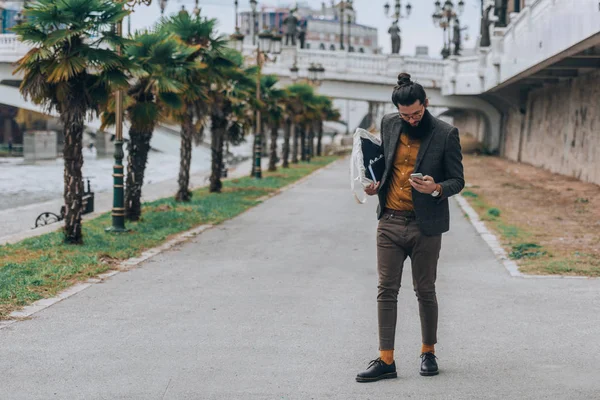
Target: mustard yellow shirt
x=399, y=196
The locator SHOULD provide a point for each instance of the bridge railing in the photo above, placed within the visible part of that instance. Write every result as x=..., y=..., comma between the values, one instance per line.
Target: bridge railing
x=11, y=49
x=542, y=30
x=358, y=67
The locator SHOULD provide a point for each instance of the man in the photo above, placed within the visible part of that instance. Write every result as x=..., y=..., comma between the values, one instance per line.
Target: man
x=413, y=213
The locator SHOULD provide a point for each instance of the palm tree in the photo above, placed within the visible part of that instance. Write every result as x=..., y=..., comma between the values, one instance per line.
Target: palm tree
x=328, y=114
x=69, y=70
x=231, y=90
x=273, y=99
x=302, y=97
x=162, y=64
x=200, y=32
x=322, y=111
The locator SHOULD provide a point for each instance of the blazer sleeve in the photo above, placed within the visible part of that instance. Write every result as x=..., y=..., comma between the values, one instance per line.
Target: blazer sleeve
x=453, y=167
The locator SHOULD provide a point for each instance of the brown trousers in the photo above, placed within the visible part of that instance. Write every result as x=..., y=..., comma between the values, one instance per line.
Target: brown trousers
x=398, y=237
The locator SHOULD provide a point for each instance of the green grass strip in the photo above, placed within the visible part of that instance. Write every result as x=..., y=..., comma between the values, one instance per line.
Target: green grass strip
x=42, y=266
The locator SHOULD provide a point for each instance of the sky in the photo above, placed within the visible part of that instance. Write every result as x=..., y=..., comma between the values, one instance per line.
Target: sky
x=418, y=30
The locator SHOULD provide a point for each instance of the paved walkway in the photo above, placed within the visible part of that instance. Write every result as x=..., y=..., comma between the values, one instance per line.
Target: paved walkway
x=279, y=303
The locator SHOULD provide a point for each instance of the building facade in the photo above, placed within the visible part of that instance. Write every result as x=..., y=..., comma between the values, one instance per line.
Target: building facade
x=323, y=27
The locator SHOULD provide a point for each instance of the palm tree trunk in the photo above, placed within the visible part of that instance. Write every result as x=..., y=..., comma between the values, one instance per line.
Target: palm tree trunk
x=73, y=189
x=320, y=139
x=286, y=143
x=218, y=131
x=303, y=142
x=273, y=153
x=187, y=135
x=137, y=158
x=295, y=132
x=311, y=141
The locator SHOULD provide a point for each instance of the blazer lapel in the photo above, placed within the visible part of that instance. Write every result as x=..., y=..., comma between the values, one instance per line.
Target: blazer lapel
x=393, y=136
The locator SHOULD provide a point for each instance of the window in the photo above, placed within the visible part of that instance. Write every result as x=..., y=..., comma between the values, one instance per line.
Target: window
x=322, y=46
x=332, y=47
x=361, y=50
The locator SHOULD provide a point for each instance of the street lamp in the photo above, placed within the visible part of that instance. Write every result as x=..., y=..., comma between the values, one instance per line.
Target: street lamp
x=118, y=210
x=316, y=73
x=446, y=17
x=268, y=43
x=237, y=38
x=394, y=30
x=294, y=73
x=163, y=6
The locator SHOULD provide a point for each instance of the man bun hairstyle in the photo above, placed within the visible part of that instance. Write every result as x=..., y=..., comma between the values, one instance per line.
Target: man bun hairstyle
x=407, y=92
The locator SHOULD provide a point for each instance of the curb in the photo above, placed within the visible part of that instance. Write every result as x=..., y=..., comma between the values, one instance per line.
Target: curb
x=124, y=266
x=130, y=263
x=494, y=244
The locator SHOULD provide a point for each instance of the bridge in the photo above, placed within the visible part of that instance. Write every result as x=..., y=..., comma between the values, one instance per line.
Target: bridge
x=372, y=77
x=546, y=43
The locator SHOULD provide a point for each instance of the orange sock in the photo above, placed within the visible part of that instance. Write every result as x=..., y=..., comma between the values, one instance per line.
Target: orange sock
x=387, y=356
x=428, y=348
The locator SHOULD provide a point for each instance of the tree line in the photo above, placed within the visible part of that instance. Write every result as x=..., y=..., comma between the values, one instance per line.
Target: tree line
x=180, y=71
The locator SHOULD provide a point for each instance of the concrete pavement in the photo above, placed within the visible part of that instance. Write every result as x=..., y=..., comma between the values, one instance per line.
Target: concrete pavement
x=279, y=303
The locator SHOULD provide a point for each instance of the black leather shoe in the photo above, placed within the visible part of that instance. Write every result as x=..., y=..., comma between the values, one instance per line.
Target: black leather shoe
x=377, y=370
x=429, y=366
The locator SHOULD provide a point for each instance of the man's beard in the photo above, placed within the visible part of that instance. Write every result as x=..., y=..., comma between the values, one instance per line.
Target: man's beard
x=419, y=131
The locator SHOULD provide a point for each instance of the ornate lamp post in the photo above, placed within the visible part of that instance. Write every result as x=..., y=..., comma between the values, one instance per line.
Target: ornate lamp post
x=315, y=74
x=118, y=210
x=394, y=30
x=237, y=37
x=268, y=43
x=294, y=73
x=446, y=17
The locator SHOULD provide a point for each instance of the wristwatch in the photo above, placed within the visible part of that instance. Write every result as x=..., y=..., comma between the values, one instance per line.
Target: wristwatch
x=437, y=191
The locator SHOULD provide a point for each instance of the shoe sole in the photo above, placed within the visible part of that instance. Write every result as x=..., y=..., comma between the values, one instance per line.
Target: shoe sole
x=429, y=373
x=389, y=375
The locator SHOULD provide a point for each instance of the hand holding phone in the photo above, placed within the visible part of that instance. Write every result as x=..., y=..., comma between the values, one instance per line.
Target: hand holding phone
x=417, y=175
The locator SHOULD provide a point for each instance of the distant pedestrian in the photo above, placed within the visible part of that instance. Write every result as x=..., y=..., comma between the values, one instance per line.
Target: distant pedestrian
x=423, y=168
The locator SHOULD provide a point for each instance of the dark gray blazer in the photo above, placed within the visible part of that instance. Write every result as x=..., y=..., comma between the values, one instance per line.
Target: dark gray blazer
x=440, y=157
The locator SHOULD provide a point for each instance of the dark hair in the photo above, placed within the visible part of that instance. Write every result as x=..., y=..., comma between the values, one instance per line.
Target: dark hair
x=407, y=92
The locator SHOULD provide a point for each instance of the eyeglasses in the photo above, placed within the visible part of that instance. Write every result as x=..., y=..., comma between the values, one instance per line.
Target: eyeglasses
x=416, y=116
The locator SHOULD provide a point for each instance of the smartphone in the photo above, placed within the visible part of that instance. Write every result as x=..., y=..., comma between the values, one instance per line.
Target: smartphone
x=417, y=175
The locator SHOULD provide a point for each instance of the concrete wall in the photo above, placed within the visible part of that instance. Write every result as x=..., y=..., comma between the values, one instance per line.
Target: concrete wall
x=512, y=130
x=470, y=123
x=561, y=129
